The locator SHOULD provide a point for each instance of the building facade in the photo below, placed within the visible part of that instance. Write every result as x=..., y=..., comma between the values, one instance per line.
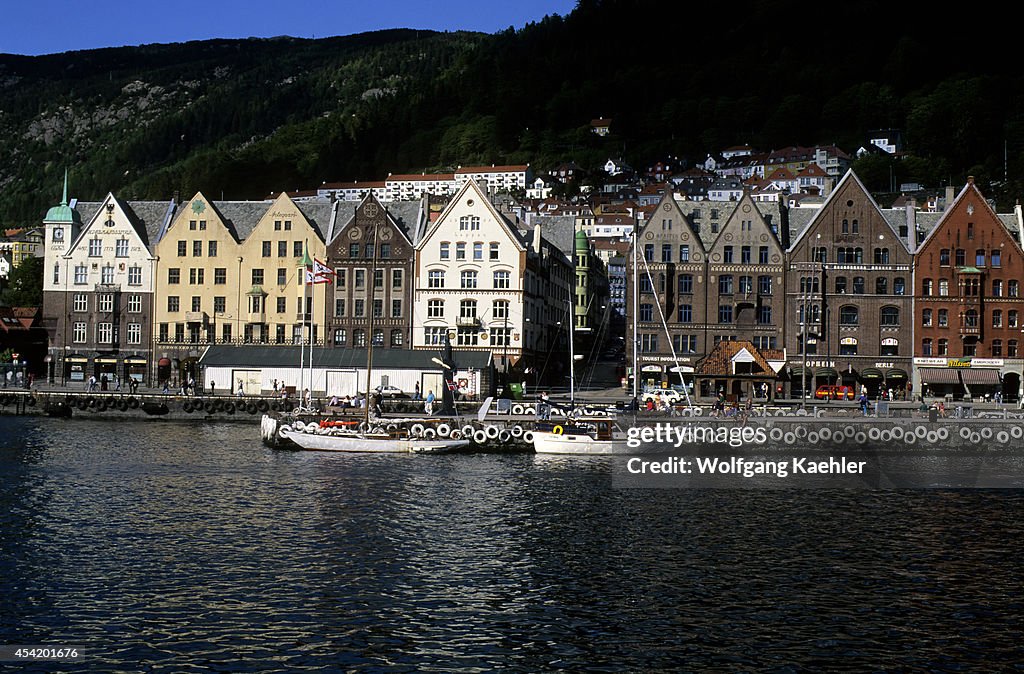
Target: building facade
x=967, y=277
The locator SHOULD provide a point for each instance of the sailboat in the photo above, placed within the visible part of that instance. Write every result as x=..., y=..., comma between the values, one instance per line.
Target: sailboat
x=579, y=434
x=370, y=436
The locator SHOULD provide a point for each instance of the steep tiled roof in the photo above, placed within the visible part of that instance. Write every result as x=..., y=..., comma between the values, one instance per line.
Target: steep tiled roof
x=719, y=361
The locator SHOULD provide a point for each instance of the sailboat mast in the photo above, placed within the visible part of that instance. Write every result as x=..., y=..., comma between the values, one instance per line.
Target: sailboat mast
x=302, y=333
x=572, y=357
x=636, y=305
x=372, y=284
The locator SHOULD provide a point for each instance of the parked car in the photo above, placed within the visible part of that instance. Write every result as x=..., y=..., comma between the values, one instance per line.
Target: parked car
x=671, y=395
x=831, y=392
x=391, y=392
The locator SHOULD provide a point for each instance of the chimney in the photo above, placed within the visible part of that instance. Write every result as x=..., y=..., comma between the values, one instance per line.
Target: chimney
x=536, y=238
x=950, y=196
x=911, y=220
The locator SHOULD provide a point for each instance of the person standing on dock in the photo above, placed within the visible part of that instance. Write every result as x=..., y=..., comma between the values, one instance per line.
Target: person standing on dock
x=428, y=406
x=213, y=388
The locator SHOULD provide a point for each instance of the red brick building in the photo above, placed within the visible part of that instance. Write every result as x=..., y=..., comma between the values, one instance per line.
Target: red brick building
x=967, y=277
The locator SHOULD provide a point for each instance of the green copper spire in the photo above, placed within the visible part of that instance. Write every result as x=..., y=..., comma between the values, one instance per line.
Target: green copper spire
x=63, y=213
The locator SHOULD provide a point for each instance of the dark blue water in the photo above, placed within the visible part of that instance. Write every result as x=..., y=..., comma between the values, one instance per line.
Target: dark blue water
x=162, y=547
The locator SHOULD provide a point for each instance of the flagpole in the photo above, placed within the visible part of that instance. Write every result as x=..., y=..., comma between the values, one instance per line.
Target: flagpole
x=312, y=325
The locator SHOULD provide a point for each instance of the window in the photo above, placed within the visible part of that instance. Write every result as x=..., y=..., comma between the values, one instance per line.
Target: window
x=997, y=288
x=197, y=249
x=727, y=255
x=56, y=273
x=368, y=251
x=435, y=279
x=444, y=250
x=997, y=318
x=926, y=287
x=106, y=303
x=378, y=278
x=970, y=230
x=848, y=315
x=846, y=226
x=840, y=285
x=979, y=258
x=340, y=277
x=746, y=285
x=809, y=285
x=220, y=304
x=685, y=284
x=359, y=278
x=359, y=338
x=684, y=253
x=396, y=308
x=685, y=313
x=502, y=279
x=997, y=348
x=297, y=249
x=926, y=318
x=81, y=275
x=220, y=276
x=646, y=313
x=961, y=257
x=468, y=280
x=135, y=275
x=899, y=286
x=944, y=257
x=764, y=315
x=943, y=287
x=79, y=333
x=257, y=277
x=196, y=276
x=211, y=249
x=134, y=333
x=80, y=303
x=282, y=305
x=282, y=249
x=996, y=258
x=855, y=227
x=173, y=304
x=197, y=303
x=1012, y=288
x=1011, y=318
x=819, y=254
x=494, y=251
x=926, y=347
x=467, y=309
x=745, y=255
x=478, y=251
x=95, y=247
x=881, y=286
x=226, y=332
x=890, y=316
x=340, y=337
x=107, y=275
x=943, y=347
x=501, y=336
x=666, y=252
x=396, y=338
x=378, y=308
x=725, y=284
x=434, y=336
x=858, y=285
x=460, y=250
x=173, y=276
x=943, y=318
x=359, y=307
x=848, y=349
x=121, y=248
x=499, y=309
x=339, y=307
x=762, y=255
x=1011, y=348
x=685, y=343
x=182, y=248
x=764, y=285
x=396, y=278
x=353, y=250
x=469, y=223
x=725, y=313
x=385, y=251
x=282, y=277
x=648, y=343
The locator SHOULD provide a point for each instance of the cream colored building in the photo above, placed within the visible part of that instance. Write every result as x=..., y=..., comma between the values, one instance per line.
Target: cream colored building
x=231, y=273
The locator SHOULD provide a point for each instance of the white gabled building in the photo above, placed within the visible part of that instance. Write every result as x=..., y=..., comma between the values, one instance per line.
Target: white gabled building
x=497, y=178
x=470, y=269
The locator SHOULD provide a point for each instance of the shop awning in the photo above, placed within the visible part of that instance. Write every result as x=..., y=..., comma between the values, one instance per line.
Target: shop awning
x=979, y=377
x=939, y=375
x=826, y=372
x=796, y=371
x=135, y=361
x=896, y=373
x=106, y=360
x=76, y=359
x=870, y=373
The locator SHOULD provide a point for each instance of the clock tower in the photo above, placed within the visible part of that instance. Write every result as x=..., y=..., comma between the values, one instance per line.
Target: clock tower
x=62, y=224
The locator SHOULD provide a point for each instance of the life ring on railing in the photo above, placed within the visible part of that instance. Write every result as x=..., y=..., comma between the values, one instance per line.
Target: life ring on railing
x=262, y=406
x=229, y=408
x=558, y=430
x=133, y=403
x=187, y=407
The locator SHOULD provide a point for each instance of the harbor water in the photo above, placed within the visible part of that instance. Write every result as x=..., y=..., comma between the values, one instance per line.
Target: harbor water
x=170, y=547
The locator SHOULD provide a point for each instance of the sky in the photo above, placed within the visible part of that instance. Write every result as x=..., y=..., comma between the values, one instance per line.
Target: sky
x=34, y=27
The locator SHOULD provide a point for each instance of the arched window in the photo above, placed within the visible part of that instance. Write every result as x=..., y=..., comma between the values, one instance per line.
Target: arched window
x=926, y=346
x=890, y=316
x=858, y=285
x=881, y=256
x=971, y=318
x=840, y=285
x=848, y=315
x=926, y=318
x=943, y=347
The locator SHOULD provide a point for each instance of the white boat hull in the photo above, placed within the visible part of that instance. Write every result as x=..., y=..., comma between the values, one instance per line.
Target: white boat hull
x=565, y=443
x=364, y=443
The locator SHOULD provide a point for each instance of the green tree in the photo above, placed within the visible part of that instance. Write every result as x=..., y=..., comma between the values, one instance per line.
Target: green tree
x=25, y=287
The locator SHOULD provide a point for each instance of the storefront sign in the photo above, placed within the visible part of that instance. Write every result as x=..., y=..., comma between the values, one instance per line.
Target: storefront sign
x=819, y=363
x=958, y=362
x=930, y=362
x=986, y=362
x=885, y=366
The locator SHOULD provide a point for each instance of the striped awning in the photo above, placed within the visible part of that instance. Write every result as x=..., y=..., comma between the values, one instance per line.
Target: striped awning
x=896, y=373
x=973, y=377
x=870, y=373
x=939, y=375
x=826, y=372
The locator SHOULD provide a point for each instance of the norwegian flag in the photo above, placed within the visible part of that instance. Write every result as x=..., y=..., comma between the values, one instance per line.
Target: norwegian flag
x=452, y=386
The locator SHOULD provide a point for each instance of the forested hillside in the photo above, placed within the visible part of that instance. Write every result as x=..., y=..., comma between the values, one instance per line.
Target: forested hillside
x=245, y=117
